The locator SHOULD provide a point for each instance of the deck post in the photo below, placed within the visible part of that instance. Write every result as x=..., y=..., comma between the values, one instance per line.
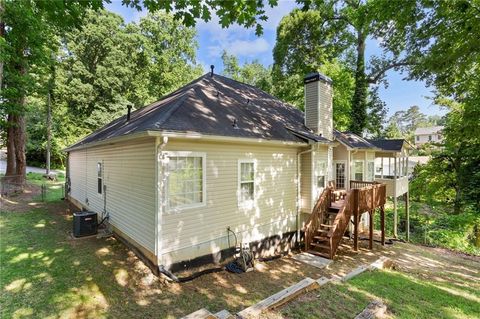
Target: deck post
x=370, y=243
x=407, y=212
x=355, y=219
x=382, y=223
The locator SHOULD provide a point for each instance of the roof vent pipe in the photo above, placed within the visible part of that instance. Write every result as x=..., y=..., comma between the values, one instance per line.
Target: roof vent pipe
x=211, y=68
x=129, y=107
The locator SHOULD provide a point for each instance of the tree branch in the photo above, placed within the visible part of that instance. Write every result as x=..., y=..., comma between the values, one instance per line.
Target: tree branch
x=375, y=76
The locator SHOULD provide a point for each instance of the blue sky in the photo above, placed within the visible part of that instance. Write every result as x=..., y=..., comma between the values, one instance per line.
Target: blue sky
x=246, y=46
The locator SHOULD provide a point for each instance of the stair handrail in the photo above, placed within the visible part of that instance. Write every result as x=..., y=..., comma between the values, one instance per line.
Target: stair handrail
x=317, y=215
x=341, y=221
x=357, y=201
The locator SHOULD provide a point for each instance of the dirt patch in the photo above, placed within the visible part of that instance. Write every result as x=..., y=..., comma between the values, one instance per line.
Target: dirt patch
x=23, y=201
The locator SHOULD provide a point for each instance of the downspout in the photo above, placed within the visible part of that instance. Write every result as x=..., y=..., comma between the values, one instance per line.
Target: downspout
x=298, y=188
x=159, y=203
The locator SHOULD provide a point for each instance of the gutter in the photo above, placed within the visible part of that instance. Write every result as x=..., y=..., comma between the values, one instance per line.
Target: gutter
x=298, y=187
x=159, y=202
x=184, y=135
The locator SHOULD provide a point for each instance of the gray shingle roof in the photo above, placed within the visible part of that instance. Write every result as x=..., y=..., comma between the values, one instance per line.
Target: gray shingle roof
x=214, y=105
x=352, y=140
x=393, y=145
x=428, y=130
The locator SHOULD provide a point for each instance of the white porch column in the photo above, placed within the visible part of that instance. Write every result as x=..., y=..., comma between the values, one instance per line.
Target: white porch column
x=389, y=166
x=348, y=169
x=365, y=166
x=395, y=216
x=381, y=172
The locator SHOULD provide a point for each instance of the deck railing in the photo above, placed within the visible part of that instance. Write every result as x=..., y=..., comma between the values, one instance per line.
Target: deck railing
x=317, y=216
x=341, y=221
x=356, y=202
x=361, y=184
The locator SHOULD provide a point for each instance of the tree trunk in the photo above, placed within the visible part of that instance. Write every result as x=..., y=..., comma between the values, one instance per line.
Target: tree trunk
x=2, y=35
x=49, y=135
x=20, y=140
x=11, y=159
x=359, y=101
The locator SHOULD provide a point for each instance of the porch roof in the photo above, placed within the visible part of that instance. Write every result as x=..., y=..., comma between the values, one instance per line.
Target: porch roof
x=352, y=140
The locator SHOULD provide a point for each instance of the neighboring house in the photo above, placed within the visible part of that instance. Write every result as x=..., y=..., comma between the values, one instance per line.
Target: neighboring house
x=431, y=134
x=216, y=155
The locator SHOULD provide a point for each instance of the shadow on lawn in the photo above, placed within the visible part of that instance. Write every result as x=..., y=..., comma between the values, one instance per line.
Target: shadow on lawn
x=424, y=285
x=46, y=273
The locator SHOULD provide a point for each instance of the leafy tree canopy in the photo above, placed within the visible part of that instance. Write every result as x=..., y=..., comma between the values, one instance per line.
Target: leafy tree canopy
x=253, y=73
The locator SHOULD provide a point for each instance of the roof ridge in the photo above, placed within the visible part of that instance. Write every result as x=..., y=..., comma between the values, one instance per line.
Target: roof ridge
x=263, y=91
x=177, y=104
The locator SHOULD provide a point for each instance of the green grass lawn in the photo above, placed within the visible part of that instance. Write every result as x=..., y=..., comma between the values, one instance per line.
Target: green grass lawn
x=426, y=285
x=406, y=296
x=46, y=274
x=54, y=190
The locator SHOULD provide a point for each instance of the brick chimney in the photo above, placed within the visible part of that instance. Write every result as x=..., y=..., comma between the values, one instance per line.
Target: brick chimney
x=318, y=104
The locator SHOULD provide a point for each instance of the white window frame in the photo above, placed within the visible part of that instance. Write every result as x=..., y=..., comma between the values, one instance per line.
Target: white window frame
x=354, y=170
x=102, y=177
x=372, y=177
x=315, y=175
x=203, y=155
x=249, y=203
x=345, y=173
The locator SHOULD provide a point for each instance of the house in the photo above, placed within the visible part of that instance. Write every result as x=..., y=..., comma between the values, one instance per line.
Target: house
x=431, y=134
x=214, y=163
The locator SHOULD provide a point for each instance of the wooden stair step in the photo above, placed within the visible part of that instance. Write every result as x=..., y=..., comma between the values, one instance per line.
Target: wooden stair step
x=332, y=212
x=326, y=225
x=321, y=238
x=318, y=253
x=322, y=246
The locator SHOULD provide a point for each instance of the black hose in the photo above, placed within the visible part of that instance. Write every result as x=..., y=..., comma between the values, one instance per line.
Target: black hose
x=263, y=259
x=234, y=235
x=176, y=279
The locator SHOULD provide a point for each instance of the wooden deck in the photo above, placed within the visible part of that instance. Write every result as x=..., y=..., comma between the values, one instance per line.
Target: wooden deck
x=333, y=212
x=338, y=204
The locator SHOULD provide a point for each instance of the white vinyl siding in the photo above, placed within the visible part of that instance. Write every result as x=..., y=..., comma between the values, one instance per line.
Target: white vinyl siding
x=195, y=232
x=129, y=177
x=306, y=182
x=318, y=108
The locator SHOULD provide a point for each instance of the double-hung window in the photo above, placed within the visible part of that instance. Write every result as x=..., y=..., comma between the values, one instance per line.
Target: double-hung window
x=246, y=182
x=371, y=171
x=99, y=178
x=320, y=173
x=186, y=179
x=358, y=170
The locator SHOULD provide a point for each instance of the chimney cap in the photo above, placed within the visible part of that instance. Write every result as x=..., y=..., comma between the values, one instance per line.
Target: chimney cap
x=211, y=69
x=316, y=76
